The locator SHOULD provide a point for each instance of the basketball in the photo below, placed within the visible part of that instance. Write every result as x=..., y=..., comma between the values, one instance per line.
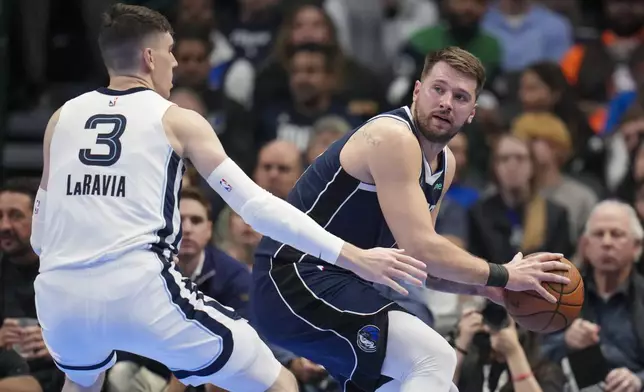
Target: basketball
x=532, y=312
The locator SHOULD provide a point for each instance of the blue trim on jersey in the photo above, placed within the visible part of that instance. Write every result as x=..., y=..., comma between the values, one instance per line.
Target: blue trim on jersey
x=109, y=91
x=179, y=236
x=87, y=368
x=169, y=197
x=202, y=317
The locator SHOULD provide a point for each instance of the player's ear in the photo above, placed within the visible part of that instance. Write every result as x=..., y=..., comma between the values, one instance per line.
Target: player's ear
x=471, y=117
x=417, y=86
x=148, y=58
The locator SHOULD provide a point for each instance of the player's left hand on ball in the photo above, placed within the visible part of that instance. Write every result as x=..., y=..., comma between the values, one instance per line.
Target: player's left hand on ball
x=385, y=265
x=622, y=380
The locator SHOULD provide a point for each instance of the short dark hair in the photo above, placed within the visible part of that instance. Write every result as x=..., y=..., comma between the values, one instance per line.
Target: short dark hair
x=24, y=185
x=459, y=59
x=194, y=193
x=124, y=28
x=192, y=32
x=326, y=51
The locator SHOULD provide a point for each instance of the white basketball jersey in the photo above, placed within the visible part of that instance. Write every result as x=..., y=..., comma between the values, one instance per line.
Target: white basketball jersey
x=113, y=180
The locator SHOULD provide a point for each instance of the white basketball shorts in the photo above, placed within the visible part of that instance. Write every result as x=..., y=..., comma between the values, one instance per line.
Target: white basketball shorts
x=141, y=304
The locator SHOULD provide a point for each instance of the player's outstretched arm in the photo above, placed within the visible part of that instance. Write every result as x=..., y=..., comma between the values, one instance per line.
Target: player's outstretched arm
x=38, y=217
x=394, y=160
x=193, y=138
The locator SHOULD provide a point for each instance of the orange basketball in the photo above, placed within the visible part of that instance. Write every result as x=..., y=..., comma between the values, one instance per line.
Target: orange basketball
x=534, y=313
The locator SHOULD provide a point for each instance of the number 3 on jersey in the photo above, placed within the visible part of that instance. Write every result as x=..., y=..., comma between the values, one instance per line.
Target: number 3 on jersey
x=111, y=140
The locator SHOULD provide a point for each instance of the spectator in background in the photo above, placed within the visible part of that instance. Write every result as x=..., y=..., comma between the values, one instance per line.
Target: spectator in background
x=598, y=69
x=279, y=165
x=505, y=360
x=236, y=237
x=543, y=88
x=528, y=33
x=461, y=27
x=613, y=311
x=326, y=130
x=551, y=147
x=18, y=270
x=516, y=217
x=230, y=120
x=628, y=162
x=14, y=373
x=228, y=72
x=466, y=186
x=311, y=82
x=252, y=30
x=623, y=101
x=374, y=31
x=308, y=24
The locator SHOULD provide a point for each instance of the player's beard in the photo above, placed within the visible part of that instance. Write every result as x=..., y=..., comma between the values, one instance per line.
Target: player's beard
x=424, y=125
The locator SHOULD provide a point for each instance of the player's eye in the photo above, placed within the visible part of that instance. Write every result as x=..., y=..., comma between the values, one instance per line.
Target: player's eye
x=438, y=89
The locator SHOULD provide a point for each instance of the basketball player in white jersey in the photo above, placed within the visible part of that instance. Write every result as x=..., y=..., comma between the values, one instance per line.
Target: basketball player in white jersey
x=106, y=225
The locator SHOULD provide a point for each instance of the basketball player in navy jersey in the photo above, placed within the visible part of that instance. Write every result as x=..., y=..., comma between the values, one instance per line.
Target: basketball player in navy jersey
x=381, y=185
x=106, y=224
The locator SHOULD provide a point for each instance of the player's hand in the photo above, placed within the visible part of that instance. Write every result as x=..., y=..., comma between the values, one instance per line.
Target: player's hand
x=622, y=380
x=383, y=265
x=305, y=370
x=9, y=333
x=526, y=274
x=33, y=344
x=581, y=334
x=470, y=323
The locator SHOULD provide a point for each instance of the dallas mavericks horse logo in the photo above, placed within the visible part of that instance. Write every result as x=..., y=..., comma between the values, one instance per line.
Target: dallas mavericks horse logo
x=368, y=338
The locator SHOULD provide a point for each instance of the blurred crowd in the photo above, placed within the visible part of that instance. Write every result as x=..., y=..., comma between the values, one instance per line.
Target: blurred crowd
x=554, y=160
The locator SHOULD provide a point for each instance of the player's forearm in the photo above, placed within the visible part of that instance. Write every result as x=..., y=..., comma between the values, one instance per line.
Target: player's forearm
x=450, y=265
x=448, y=286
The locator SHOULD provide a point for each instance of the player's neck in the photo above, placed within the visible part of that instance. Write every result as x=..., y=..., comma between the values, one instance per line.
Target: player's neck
x=548, y=176
x=126, y=82
x=431, y=150
x=608, y=282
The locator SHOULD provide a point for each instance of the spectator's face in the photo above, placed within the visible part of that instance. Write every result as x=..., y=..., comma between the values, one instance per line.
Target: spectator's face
x=309, y=77
x=631, y=132
x=609, y=244
x=194, y=64
x=196, y=226
x=465, y=13
x=278, y=168
x=241, y=232
x=196, y=12
x=310, y=27
x=534, y=94
x=625, y=17
x=188, y=101
x=544, y=152
x=639, y=202
x=512, y=165
x=443, y=102
x=320, y=142
x=638, y=163
x=15, y=223
x=458, y=145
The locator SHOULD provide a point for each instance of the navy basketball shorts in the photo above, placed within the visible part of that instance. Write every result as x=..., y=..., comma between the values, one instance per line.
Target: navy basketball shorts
x=327, y=315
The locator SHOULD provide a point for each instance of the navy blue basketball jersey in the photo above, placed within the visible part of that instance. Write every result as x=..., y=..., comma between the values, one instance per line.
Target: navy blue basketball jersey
x=345, y=206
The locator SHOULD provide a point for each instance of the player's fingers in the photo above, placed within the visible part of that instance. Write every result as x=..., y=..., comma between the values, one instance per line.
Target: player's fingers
x=554, y=278
x=389, y=282
x=406, y=259
x=404, y=276
x=554, y=266
x=546, y=256
x=545, y=294
x=518, y=257
x=420, y=274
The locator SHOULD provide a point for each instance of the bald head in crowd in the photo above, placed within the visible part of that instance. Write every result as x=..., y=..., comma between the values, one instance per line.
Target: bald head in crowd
x=279, y=165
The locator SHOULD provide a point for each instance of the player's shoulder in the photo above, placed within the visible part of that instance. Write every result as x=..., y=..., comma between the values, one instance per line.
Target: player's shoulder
x=390, y=131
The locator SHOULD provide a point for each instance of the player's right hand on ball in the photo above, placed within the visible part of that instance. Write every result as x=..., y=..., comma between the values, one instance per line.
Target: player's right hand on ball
x=385, y=265
x=526, y=274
